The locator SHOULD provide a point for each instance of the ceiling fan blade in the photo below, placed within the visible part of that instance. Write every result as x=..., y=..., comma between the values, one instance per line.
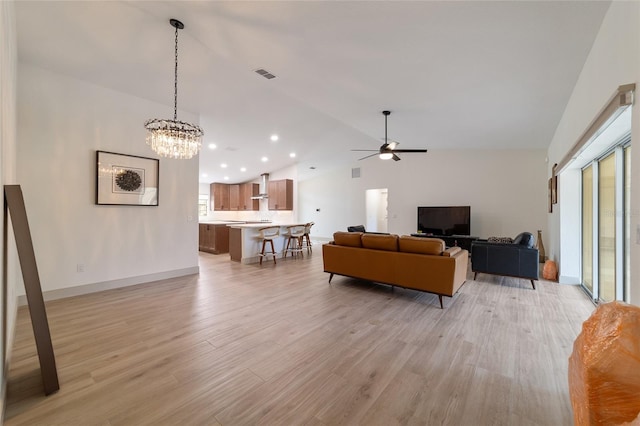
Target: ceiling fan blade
x=396, y=158
x=370, y=150
x=409, y=150
x=364, y=158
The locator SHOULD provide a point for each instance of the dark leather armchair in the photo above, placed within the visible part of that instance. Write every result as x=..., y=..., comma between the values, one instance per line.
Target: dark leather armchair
x=356, y=228
x=518, y=259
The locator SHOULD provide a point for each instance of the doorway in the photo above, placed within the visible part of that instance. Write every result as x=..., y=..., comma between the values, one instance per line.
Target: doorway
x=376, y=210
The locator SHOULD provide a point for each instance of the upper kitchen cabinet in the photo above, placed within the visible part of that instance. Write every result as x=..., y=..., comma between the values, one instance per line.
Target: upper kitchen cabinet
x=234, y=197
x=220, y=197
x=248, y=190
x=281, y=194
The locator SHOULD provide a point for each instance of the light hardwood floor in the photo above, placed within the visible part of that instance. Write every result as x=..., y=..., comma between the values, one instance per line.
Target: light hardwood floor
x=244, y=344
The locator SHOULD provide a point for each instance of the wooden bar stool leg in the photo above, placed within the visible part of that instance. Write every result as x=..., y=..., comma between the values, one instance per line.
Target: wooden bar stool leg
x=262, y=252
x=300, y=245
x=273, y=250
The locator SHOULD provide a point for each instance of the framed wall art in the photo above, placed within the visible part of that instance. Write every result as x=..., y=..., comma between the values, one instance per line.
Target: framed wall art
x=554, y=185
x=126, y=180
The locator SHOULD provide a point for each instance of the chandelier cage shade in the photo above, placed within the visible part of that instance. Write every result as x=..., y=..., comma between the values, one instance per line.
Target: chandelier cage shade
x=174, y=138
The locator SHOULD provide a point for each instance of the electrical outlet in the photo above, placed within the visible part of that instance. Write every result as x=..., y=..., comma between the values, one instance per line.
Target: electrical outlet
x=80, y=267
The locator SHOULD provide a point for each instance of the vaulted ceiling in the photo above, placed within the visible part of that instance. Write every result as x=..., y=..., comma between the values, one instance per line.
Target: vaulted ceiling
x=472, y=75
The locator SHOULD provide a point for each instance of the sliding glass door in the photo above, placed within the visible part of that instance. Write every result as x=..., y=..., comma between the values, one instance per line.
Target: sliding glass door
x=605, y=225
x=607, y=228
x=587, y=228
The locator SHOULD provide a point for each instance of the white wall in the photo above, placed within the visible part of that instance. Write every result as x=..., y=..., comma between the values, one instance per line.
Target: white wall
x=61, y=123
x=8, y=65
x=506, y=189
x=614, y=60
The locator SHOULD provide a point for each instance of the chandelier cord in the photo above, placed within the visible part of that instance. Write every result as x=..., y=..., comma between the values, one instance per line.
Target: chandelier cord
x=175, y=81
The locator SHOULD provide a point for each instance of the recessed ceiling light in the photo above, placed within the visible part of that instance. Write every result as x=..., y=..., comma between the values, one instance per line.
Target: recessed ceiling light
x=274, y=138
x=264, y=159
x=204, y=175
x=292, y=155
x=243, y=169
x=226, y=178
x=223, y=165
x=212, y=146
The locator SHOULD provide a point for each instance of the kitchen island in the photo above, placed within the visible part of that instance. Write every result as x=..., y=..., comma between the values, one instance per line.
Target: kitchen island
x=245, y=245
x=213, y=237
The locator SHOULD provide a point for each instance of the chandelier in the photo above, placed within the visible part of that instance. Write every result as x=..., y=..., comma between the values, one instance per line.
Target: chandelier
x=174, y=138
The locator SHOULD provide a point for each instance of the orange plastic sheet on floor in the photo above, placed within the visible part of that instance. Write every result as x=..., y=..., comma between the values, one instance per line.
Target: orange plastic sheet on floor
x=604, y=368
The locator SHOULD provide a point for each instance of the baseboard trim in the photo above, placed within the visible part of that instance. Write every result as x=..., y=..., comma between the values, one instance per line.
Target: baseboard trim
x=569, y=280
x=63, y=293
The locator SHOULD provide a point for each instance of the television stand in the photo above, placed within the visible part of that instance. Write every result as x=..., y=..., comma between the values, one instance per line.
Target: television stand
x=462, y=241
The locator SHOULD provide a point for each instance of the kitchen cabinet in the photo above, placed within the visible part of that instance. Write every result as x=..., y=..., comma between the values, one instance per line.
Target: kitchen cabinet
x=220, y=196
x=234, y=197
x=248, y=190
x=281, y=194
x=213, y=238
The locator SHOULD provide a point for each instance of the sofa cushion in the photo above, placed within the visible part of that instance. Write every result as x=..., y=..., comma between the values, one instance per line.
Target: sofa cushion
x=421, y=245
x=524, y=239
x=349, y=239
x=380, y=242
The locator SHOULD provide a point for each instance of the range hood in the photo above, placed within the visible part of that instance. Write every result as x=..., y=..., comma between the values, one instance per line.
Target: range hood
x=264, y=184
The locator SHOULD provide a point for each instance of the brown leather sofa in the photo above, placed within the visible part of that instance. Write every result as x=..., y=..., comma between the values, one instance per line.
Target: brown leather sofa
x=412, y=262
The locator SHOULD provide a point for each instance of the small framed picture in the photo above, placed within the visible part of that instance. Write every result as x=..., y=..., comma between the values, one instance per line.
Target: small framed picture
x=550, y=196
x=126, y=180
x=554, y=185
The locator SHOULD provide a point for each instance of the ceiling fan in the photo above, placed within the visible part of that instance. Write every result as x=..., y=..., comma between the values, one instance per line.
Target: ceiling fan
x=388, y=150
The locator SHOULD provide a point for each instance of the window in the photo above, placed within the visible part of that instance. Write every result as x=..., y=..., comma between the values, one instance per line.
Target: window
x=203, y=201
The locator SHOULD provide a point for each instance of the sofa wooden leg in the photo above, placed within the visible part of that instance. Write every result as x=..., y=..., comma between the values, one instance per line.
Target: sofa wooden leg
x=533, y=284
x=475, y=274
x=440, y=298
x=330, y=277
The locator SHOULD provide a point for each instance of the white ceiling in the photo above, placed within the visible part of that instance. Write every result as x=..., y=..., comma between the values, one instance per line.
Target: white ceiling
x=477, y=75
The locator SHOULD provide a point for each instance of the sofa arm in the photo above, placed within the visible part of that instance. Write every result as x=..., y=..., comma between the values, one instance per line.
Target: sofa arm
x=451, y=251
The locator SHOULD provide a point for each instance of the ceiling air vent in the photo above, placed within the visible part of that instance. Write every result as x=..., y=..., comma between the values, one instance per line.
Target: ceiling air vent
x=355, y=172
x=266, y=74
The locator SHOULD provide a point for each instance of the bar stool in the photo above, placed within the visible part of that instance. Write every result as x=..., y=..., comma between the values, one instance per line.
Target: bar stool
x=306, y=240
x=294, y=233
x=268, y=234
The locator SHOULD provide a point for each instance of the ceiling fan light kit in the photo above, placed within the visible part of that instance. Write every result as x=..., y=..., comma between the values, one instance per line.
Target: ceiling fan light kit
x=388, y=150
x=174, y=138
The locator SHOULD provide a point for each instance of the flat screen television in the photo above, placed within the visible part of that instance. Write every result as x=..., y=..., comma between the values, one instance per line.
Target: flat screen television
x=454, y=220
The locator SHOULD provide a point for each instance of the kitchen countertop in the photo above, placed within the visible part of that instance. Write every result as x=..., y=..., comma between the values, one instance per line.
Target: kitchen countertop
x=258, y=225
x=231, y=222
